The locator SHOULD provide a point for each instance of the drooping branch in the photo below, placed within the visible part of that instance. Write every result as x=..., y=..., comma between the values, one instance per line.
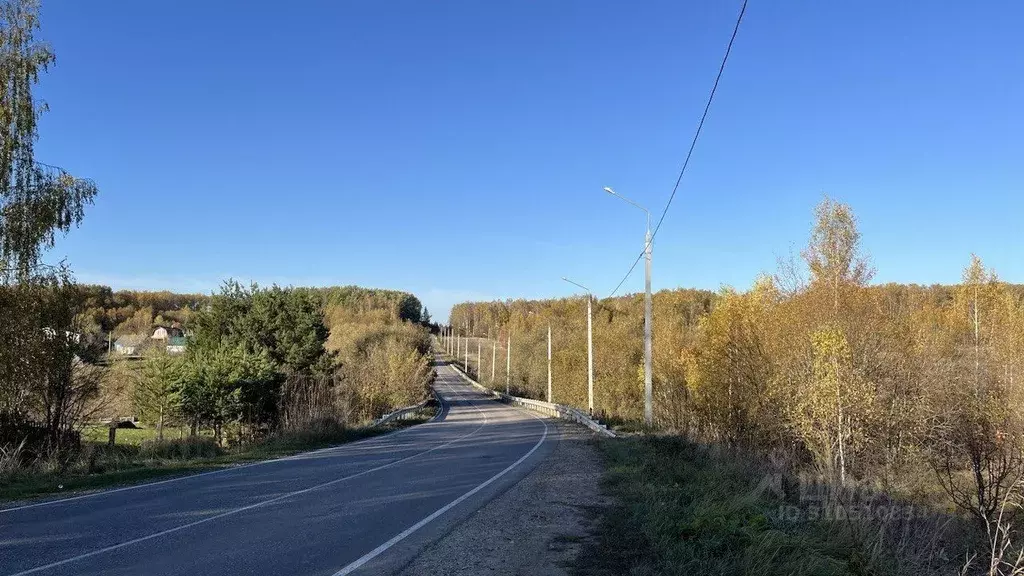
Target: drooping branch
x=50, y=202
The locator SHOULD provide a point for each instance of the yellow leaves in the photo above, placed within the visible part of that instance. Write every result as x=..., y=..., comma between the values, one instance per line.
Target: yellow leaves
x=728, y=373
x=833, y=407
x=831, y=356
x=833, y=254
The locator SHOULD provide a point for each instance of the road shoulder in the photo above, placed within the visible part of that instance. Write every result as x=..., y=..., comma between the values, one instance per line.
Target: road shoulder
x=536, y=527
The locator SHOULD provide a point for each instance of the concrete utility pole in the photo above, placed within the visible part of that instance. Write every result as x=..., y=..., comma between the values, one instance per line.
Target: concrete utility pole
x=494, y=358
x=648, y=312
x=648, y=346
x=508, y=363
x=479, y=358
x=590, y=347
x=549, y=363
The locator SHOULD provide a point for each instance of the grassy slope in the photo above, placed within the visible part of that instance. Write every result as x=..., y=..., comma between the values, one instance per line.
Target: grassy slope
x=689, y=510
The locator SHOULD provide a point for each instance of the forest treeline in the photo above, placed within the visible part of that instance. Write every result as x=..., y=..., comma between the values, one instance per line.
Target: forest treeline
x=122, y=312
x=916, y=389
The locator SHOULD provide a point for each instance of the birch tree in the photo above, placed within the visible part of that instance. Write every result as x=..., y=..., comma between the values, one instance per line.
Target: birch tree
x=39, y=383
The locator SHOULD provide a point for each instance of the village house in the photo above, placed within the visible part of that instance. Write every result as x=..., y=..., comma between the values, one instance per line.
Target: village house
x=130, y=344
x=172, y=337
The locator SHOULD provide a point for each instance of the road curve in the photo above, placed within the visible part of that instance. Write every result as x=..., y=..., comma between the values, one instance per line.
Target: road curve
x=367, y=507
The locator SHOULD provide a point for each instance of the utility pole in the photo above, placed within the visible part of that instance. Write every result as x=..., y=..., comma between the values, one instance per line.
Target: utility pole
x=648, y=368
x=494, y=358
x=590, y=356
x=590, y=346
x=479, y=358
x=648, y=312
x=508, y=363
x=549, y=363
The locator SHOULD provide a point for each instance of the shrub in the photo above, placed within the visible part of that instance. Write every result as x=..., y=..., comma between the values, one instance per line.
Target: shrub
x=180, y=449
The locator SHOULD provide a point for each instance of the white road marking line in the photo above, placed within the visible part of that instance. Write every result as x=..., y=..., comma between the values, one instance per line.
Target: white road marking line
x=408, y=531
x=243, y=508
x=211, y=472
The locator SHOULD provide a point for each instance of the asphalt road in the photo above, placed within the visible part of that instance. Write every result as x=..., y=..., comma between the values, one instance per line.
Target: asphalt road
x=368, y=507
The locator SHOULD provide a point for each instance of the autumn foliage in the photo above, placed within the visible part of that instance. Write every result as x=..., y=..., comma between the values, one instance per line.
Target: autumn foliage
x=909, y=388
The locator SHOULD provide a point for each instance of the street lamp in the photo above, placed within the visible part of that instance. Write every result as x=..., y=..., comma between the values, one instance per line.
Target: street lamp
x=648, y=387
x=590, y=346
x=531, y=313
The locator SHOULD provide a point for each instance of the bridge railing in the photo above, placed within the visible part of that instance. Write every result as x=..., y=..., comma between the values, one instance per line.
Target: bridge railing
x=547, y=408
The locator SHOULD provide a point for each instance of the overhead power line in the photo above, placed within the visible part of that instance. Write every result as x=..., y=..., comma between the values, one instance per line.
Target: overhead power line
x=693, y=144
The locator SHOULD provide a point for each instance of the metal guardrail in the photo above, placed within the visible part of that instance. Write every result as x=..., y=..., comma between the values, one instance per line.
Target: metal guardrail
x=546, y=408
x=403, y=413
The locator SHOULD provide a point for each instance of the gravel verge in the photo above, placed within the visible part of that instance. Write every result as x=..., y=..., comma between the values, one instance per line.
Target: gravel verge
x=536, y=527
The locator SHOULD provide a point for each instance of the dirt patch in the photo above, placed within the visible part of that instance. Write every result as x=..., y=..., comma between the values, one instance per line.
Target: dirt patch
x=537, y=527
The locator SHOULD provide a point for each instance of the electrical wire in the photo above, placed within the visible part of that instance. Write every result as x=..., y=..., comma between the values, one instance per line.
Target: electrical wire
x=693, y=144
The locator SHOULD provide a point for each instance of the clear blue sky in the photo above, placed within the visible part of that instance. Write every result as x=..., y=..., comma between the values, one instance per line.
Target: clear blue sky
x=458, y=149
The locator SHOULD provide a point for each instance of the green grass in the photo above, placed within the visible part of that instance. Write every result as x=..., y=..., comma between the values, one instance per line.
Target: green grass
x=130, y=461
x=692, y=510
x=133, y=436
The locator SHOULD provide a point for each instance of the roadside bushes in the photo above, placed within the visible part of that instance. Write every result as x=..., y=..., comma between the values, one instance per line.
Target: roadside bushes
x=383, y=367
x=45, y=390
x=188, y=448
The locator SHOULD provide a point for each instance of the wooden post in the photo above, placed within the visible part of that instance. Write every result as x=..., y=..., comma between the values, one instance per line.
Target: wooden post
x=112, y=433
